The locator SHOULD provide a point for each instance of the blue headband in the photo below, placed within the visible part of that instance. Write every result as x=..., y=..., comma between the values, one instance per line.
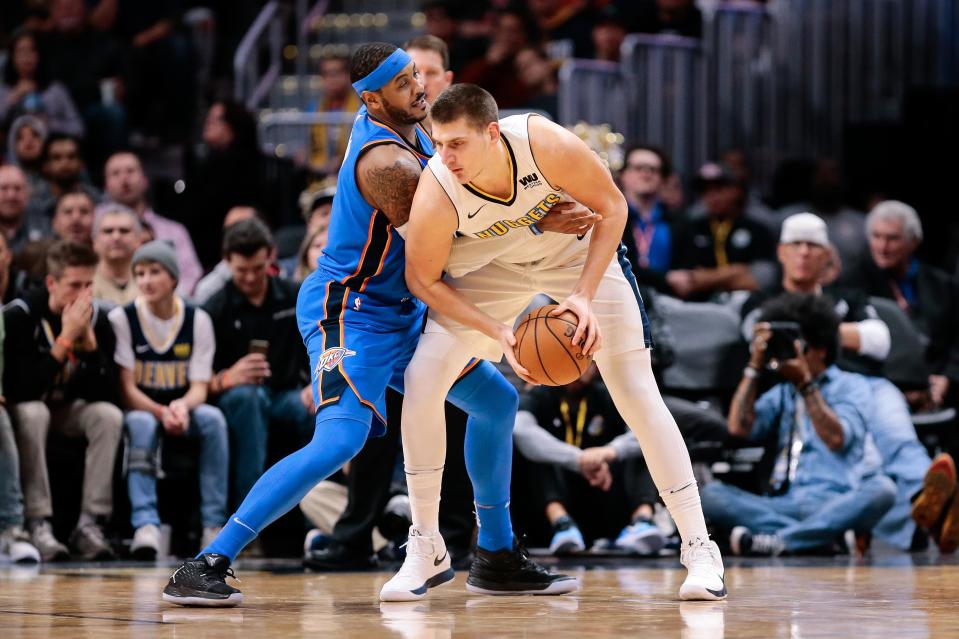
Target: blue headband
x=383, y=73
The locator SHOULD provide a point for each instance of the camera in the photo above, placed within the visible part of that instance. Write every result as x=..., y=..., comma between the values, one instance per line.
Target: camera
x=781, y=344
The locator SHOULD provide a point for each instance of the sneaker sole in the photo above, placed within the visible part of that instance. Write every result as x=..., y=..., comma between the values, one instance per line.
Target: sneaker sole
x=561, y=587
x=648, y=543
x=938, y=486
x=204, y=602
x=416, y=594
x=567, y=548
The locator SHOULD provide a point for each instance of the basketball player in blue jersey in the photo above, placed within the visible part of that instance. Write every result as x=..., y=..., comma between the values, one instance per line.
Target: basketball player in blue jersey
x=360, y=325
x=471, y=256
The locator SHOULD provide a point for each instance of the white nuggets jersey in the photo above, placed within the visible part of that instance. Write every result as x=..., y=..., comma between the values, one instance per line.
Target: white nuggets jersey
x=498, y=230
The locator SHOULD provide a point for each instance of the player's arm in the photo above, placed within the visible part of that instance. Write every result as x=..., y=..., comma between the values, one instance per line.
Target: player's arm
x=429, y=239
x=568, y=164
x=387, y=176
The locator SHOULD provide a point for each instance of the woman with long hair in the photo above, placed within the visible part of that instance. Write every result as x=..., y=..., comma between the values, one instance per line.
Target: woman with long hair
x=28, y=89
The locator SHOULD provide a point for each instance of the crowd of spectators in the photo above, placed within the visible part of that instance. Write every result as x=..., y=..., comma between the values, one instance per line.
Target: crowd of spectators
x=164, y=344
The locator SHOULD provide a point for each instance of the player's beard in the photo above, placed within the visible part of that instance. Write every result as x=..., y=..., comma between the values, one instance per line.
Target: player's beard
x=401, y=116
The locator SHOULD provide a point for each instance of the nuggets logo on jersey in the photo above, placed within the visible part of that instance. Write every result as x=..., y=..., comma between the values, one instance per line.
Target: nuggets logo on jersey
x=331, y=358
x=532, y=216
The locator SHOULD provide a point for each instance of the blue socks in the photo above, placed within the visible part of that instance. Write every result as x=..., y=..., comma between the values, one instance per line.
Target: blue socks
x=491, y=402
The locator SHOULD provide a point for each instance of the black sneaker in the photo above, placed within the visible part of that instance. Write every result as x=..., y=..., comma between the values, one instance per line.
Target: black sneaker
x=510, y=572
x=336, y=556
x=202, y=582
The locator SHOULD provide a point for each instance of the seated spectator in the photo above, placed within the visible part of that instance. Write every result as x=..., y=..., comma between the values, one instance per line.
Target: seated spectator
x=126, y=184
x=725, y=251
x=609, y=31
x=18, y=228
x=648, y=235
x=928, y=295
x=816, y=420
x=89, y=64
x=58, y=374
x=8, y=276
x=564, y=20
x=674, y=17
x=25, y=147
x=846, y=225
x=513, y=29
x=73, y=217
x=158, y=78
x=535, y=69
x=27, y=89
x=63, y=172
x=228, y=171
x=328, y=143
x=864, y=342
x=116, y=236
x=310, y=251
x=164, y=349
x=212, y=282
x=576, y=480
x=14, y=541
x=262, y=375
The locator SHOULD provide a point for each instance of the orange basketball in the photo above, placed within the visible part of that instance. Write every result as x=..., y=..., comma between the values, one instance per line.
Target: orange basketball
x=544, y=347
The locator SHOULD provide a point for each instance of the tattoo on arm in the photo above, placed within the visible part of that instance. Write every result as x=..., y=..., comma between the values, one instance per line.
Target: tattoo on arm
x=392, y=187
x=742, y=410
x=824, y=420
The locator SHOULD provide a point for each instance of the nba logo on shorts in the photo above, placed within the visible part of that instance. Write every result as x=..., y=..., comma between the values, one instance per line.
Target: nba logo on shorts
x=331, y=358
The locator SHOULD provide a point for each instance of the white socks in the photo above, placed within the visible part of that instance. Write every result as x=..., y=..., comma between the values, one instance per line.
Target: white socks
x=424, y=489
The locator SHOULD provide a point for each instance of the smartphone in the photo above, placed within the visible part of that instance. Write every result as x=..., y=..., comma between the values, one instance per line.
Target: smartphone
x=259, y=346
x=781, y=345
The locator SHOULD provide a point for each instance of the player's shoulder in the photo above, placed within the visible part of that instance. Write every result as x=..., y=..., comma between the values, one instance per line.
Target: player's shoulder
x=388, y=154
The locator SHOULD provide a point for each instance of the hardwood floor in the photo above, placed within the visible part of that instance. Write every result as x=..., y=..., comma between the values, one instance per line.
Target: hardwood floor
x=768, y=599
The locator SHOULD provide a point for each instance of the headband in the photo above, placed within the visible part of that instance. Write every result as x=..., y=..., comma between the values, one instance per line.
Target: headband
x=383, y=73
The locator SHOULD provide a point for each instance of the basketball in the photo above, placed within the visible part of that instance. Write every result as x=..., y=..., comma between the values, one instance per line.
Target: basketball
x=544, y=347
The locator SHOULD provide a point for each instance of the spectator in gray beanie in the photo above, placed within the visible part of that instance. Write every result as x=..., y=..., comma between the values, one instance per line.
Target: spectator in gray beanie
x=160, y=252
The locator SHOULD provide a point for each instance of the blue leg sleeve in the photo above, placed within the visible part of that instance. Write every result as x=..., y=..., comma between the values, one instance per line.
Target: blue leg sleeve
x=341, y=431
x=490, y=401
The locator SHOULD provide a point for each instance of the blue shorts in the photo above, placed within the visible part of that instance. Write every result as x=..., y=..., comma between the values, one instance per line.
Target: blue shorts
x=355, y=346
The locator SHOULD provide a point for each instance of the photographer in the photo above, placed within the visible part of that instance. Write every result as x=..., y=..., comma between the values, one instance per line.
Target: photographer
x=816, y=420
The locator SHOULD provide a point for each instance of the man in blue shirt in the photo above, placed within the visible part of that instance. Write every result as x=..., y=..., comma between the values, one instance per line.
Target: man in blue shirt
x=816, y=420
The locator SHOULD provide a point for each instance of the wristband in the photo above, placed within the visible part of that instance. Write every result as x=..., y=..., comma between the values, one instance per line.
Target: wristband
x=750, y=372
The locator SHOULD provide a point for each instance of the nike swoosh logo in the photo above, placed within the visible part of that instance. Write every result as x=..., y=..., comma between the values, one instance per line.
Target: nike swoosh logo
x=437, y=562
x=473, y=214
x=719, y=593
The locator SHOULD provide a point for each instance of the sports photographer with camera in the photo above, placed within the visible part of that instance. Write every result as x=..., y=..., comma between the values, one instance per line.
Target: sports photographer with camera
x=816, y=420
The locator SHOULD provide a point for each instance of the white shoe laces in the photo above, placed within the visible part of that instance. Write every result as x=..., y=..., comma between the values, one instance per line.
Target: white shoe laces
x=700, y=556
x=419, y=550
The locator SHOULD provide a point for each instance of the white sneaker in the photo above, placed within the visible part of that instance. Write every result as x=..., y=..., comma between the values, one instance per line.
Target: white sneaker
x=427, y=565
x=209, y=534
x=15, y=544
x=146, y=542
x=706, y=579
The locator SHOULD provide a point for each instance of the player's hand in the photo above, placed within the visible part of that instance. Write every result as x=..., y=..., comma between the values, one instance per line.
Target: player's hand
x=249, y=369
x=587, y=330
x=571, y=218
x=306, y=397
x=507, y=342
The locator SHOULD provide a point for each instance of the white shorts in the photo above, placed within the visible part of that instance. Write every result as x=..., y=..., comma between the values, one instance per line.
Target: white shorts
x=504, y=291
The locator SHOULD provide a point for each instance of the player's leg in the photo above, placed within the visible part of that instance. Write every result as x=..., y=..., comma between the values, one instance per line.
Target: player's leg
x=431, y=371
x=624, y=363
x=341, y=431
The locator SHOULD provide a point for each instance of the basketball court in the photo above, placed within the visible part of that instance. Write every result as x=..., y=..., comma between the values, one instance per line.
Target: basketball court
x=887, y=596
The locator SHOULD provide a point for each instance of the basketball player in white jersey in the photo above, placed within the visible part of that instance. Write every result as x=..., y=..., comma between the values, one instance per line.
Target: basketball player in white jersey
x=474, y=255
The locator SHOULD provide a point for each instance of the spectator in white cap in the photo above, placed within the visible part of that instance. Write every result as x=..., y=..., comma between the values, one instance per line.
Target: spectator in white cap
x=805, y=255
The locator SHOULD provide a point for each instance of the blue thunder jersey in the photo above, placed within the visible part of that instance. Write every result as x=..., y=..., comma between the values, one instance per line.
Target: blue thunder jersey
x=365, y=255
x=162, y=376
x=358, y=320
